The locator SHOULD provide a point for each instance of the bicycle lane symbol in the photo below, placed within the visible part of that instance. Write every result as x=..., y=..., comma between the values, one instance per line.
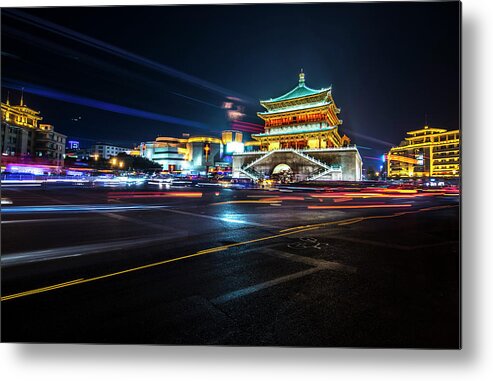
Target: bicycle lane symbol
x=306, y=243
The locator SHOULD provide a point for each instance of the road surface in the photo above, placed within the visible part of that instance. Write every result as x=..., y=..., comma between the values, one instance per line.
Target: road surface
x=223, y=266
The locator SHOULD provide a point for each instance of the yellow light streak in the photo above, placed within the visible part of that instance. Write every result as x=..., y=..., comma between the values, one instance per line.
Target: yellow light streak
x=246, y=202
x=369, y=206
x=352, y=220
x=285, y=232
x=199, y=253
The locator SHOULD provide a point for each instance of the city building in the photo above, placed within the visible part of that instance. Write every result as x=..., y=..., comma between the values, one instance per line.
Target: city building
x=195, y=155
x=301, y=137
x=203, y=153
x=425, y=153
x=169, y=152
x=105, y=151
x=232, y=141
x=50, y=145
x=24, y=139
x=74, y=150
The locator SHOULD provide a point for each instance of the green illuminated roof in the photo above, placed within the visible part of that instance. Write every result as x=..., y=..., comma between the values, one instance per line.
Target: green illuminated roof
x=299, y=91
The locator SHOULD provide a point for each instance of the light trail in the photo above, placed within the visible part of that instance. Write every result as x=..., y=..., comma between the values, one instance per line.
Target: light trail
x=267, y=201
x=283, y=198
x=38, y=220
x=90, y=208
x=285, y=232
x=363, y=206
x=398, y=214
x=124, y=195
x=383, y=194
x=343, y=199
x=121, y=53
x=134, y=269
x=370, y=138
x=97, y=104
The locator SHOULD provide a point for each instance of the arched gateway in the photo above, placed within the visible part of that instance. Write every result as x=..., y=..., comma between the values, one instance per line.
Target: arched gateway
x=281, y=168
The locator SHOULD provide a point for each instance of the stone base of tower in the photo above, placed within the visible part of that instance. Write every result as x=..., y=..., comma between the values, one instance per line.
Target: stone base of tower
x=330, y=164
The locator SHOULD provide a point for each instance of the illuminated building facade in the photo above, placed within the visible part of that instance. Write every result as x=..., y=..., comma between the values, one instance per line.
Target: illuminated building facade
x=428, y=152
x=203, y=152
x=194, y=154
x=50, y=145
x=232, y=141
x=106, y=151
x=301, y=136
x=25, y=139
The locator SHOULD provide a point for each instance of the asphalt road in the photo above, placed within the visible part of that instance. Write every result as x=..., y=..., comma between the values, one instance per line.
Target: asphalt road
x=230, y=267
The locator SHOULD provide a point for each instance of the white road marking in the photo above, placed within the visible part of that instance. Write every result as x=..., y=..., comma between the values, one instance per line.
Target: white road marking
x=138, y=221
x=323, y=264
x=76, y=251
x=224, y=219
x=261, y=286
x=319, y=265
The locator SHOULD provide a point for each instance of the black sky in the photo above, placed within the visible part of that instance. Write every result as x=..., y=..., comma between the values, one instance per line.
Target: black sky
x=390, y=64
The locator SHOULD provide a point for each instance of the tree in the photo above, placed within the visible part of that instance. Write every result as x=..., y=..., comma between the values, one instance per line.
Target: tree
x=137, y=163
x=371, y=174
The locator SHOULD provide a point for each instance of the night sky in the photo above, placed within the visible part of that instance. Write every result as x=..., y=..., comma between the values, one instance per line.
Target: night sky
x=391, y=65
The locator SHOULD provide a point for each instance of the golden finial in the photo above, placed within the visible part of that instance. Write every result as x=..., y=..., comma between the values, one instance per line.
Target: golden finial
x=302, y=78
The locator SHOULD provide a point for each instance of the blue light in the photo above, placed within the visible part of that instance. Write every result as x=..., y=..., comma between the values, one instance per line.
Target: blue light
x=54, y=94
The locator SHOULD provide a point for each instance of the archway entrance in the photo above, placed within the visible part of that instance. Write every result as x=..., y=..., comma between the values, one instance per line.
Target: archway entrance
x=282, y=173
x=281, y=168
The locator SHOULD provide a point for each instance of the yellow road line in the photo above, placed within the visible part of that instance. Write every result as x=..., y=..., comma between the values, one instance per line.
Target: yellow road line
x=314, y=225
x=43, y=289
x=86, y=280
x=285, y=232
x=354, y=221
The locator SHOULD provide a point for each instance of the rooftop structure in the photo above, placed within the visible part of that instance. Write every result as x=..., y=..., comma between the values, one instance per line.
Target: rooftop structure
x=24, y=139
x=302, y=118
x=427, y=152
x=302, y=130
x=194, y=154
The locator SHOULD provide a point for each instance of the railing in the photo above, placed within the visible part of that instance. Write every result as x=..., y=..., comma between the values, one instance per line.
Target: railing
x=319, y=174
x=312, y=159
x=352, y=146
x=254, y=175
x=326, y=169
x=331, y=148
x=251, y=164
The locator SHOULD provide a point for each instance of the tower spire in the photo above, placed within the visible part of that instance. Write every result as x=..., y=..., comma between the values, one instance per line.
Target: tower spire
x=8, y=98
x=22, y=97
x=302, y=78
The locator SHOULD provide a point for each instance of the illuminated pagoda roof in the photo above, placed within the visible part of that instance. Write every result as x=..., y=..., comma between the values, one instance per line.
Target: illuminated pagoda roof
x=295, y=107
x=300, y=95
x=294, y=131
x=425, y=130
x=298, y=92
